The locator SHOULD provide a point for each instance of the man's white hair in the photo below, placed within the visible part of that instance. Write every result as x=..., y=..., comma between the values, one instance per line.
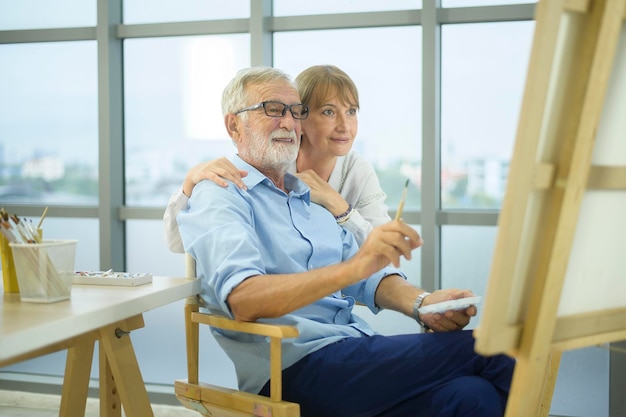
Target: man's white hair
x=235, y=95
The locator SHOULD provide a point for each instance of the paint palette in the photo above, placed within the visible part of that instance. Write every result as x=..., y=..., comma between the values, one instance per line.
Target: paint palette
x=458, y=304
x=111, y=278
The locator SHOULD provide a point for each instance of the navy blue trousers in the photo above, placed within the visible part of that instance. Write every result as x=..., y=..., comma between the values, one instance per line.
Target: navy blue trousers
x=416, y=375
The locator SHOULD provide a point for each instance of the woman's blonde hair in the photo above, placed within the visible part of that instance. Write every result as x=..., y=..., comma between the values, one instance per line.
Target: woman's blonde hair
x=319, y=83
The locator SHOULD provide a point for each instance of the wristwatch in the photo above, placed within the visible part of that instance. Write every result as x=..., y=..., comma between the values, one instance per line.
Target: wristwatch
x=416, y=305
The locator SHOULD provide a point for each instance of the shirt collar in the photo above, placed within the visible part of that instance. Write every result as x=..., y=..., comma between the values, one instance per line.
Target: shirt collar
x=295, y=186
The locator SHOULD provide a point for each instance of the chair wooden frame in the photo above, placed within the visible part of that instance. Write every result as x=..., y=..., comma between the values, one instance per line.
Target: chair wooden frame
x=217, y=401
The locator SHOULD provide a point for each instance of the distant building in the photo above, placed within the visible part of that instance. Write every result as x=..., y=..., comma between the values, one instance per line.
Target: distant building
x=487, y=176
x=47, y=168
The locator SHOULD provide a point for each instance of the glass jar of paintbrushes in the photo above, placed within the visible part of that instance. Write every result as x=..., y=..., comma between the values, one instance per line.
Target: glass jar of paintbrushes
x=39, y=270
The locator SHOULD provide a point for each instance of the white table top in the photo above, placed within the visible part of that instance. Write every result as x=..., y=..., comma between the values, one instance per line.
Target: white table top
x=25, y=327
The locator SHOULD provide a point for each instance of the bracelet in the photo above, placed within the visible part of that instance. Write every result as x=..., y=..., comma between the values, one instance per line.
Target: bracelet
x=344, y=220
x=344, y=217
x=418, y=303
x=345, y=213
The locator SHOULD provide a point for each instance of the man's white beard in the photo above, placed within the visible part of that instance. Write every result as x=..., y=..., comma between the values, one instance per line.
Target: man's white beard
x=266, y=153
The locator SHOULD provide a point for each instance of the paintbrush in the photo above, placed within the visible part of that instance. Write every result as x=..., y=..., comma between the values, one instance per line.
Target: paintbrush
x=43, y=216
x=402, y=200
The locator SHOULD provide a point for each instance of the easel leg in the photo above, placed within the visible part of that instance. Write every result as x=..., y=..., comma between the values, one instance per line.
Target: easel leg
x=550, y=382
x=120, y=356
x=76, y=380
x=526, y=389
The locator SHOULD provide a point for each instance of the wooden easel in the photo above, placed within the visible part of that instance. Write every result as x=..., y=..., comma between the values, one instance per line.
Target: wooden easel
x=550, y=289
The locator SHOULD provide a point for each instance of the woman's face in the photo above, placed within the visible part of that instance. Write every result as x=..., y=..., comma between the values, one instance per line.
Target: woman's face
x=330, y=128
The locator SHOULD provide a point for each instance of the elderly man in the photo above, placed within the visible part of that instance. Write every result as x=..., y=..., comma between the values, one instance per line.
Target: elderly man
x=269, y=254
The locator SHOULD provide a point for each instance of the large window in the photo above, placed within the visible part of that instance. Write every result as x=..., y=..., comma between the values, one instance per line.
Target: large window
x=44, y=14
x=483, y=73
x=49, y=123
x=173, y=116
x=159, y=11
x=299, y=8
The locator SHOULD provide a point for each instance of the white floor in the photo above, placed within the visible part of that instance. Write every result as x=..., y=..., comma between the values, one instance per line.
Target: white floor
x=26, y=404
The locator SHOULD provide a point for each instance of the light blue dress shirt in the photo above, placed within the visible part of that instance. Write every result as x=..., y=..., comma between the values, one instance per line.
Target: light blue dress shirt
x=235, y=234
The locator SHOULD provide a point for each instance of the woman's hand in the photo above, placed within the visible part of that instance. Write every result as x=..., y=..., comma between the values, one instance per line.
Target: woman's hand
x=219, y=171
x=322, y=193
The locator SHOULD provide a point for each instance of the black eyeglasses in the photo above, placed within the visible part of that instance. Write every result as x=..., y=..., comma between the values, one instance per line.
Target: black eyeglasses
x=278, y=109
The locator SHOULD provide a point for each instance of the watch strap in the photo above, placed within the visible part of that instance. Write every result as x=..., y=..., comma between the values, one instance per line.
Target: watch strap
x=416, y=306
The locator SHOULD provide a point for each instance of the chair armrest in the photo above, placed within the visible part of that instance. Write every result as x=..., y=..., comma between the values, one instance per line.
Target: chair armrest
x=274, y=331
x=262, y=329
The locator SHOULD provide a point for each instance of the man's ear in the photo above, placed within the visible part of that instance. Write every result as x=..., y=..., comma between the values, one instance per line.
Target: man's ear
x=233, y=128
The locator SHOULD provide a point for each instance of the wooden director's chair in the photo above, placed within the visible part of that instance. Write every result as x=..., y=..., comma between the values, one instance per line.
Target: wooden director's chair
x=216, y=401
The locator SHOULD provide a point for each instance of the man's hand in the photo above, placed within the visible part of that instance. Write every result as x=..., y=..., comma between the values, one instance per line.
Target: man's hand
x=219, y=171
x=448, y=320
x=384, y=245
